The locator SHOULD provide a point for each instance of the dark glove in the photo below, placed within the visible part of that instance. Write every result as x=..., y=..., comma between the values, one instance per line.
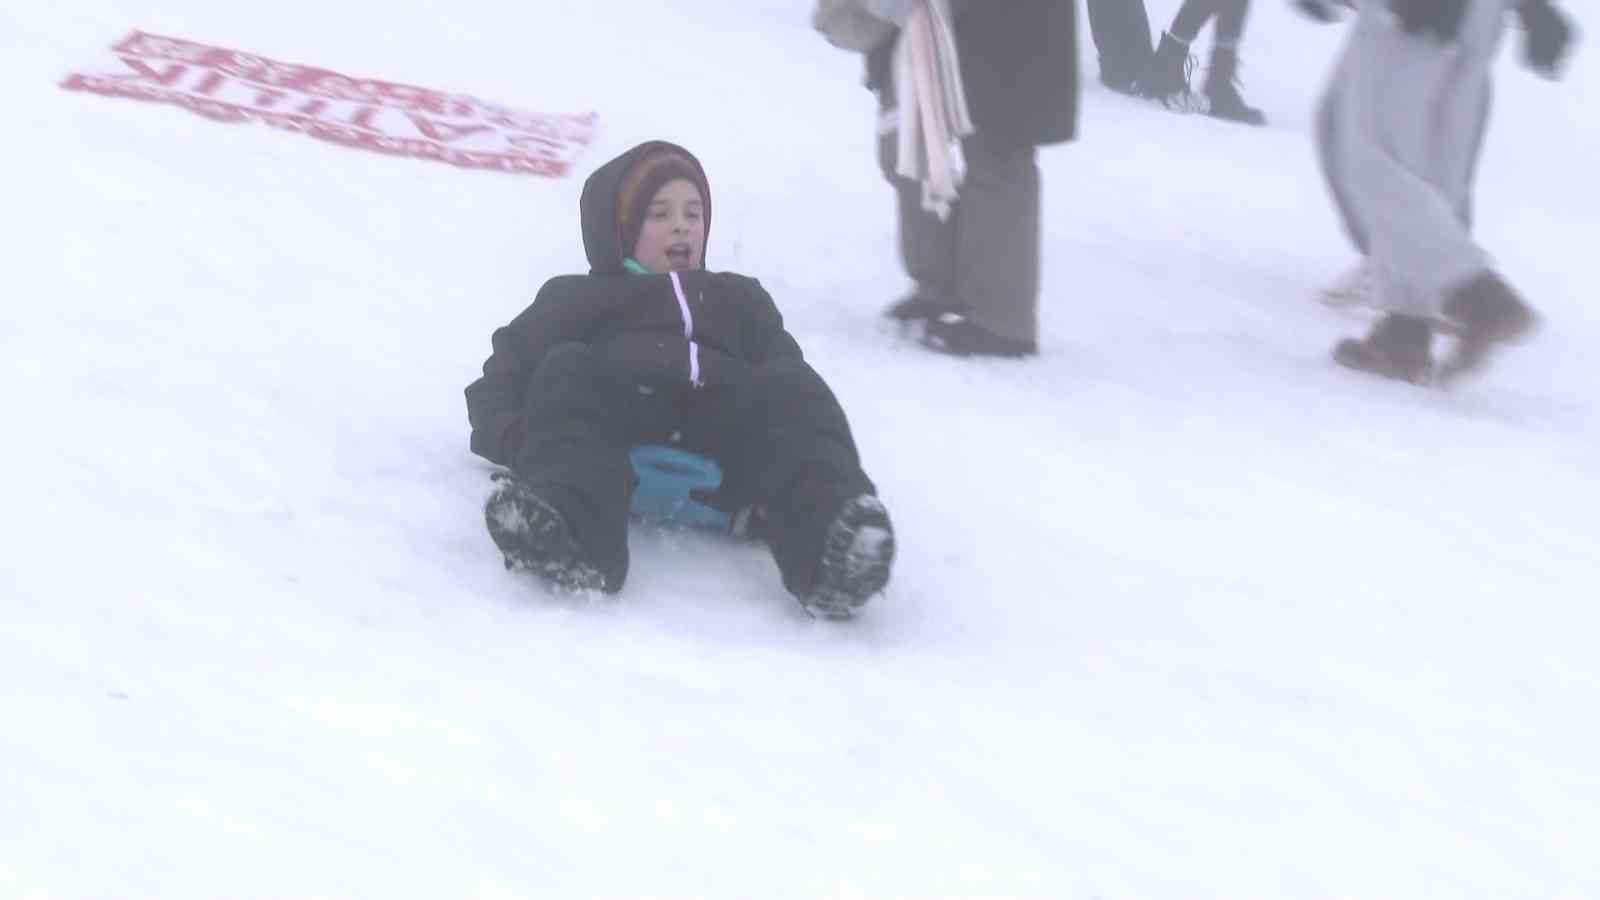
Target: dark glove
x=1548, y=37
x=1438, y=18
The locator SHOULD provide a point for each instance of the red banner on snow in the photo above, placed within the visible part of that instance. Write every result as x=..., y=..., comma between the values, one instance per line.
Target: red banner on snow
x=398, y=119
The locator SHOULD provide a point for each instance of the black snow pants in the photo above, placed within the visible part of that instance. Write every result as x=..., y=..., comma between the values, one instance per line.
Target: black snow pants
x=780, y=436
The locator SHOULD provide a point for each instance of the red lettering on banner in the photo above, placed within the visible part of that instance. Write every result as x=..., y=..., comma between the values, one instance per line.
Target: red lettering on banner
x=129, y=44
x=230, y=86
x=143, y=71
x=363, y=118
x=441, y=131
x=533, y=142
x=209, y=84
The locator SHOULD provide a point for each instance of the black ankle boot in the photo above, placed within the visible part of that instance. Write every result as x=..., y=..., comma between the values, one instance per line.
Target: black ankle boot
x=956, y=335
x=918, y=306
x=1166, y=78
x=1222, y=90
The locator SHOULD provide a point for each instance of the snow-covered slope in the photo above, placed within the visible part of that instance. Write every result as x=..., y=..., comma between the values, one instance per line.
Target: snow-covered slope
x=1180, y=609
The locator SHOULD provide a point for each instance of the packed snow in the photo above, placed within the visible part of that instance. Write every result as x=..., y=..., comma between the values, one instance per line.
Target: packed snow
x=1181, y=609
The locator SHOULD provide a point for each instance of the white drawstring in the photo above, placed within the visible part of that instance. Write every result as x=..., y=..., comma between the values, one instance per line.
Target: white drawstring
x=688, y=329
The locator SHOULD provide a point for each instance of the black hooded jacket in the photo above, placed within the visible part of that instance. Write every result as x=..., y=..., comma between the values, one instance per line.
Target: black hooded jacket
x=690, y=328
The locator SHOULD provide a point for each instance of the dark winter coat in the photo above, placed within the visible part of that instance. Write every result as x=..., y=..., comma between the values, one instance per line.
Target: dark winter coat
x=684, y=330
x=1019, y=66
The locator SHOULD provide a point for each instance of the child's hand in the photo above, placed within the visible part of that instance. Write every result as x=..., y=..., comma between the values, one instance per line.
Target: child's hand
x=1548, y=38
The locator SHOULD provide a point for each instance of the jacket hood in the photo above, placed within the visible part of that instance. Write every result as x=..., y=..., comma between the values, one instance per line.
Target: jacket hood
x=599, y=212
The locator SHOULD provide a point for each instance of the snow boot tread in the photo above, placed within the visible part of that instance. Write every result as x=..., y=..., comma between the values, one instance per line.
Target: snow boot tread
x=857, y=553
x=534, y=537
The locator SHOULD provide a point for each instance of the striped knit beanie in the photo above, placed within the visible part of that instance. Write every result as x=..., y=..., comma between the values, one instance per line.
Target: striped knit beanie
x=639, y=187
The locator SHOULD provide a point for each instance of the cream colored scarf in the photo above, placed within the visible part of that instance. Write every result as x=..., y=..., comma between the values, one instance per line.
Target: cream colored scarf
x=933, y=116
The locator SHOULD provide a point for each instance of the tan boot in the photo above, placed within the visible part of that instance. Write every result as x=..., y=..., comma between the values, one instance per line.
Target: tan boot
x=1485, y=312
x=1398, y=347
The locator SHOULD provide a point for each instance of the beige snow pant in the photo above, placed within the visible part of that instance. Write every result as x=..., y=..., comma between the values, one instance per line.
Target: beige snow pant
x=1399, y=132
x=984, y=259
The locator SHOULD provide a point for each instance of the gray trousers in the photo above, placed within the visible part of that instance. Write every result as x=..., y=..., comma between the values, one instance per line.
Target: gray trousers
x=984, y=259
x=1399, y=133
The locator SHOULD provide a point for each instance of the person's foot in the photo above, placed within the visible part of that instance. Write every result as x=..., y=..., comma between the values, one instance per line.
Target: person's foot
x=1122, y=84
x=1398, y=347
x=1166, y=79
x=915, y=308
x=1484, y=313
x=957, y=335
x=534, y=537
x=857, y=553
x=1223, y=100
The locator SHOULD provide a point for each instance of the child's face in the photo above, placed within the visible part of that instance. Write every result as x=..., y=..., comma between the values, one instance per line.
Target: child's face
x=673, y=236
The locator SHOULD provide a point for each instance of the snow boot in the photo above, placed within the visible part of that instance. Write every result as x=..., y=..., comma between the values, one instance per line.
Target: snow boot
x=957, y=335
x=534, y=537
x=918, y=306
x=1223, y=100
x=1484, y=312
x=1166, y=78
x=1116, y=81
x=857, y=553
x=1398, y=347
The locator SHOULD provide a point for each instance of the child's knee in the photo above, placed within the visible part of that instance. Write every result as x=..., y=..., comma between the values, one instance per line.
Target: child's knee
x=575, y=364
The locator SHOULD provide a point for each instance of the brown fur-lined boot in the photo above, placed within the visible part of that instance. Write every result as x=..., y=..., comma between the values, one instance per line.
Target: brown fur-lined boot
x=1485, y=312
x=1398, y=347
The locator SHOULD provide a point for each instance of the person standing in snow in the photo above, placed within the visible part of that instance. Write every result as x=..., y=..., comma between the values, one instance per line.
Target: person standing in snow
x=1121, y=31
x=1166, y=79
x=975, y=264
x=650, y=348
x=1400, y=129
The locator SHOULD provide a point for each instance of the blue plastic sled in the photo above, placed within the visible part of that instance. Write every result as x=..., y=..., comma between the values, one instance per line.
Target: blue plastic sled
x=666, y=476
